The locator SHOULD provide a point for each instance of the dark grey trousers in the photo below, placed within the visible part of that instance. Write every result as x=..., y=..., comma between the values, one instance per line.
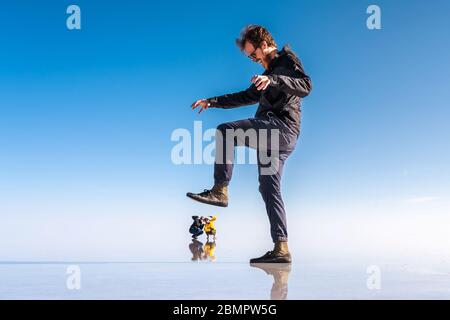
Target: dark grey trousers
x=274, y=142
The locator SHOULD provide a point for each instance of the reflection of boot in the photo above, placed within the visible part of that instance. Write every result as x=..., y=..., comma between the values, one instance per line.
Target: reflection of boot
x=280, y=273
x=280, y=254
x=217, y=196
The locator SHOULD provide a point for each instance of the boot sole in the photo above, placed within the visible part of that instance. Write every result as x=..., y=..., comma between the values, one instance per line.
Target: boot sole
x=266, y=267
x=280, y=260
x=212, y=203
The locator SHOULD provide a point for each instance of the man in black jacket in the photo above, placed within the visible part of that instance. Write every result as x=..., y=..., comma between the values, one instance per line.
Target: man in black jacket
x=276, y=126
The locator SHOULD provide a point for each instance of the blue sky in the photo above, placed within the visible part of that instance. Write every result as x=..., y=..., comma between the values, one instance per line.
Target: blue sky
x=86, y=118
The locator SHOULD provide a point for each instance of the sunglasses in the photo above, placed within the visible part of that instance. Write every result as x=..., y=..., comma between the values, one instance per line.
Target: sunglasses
x=253, y=55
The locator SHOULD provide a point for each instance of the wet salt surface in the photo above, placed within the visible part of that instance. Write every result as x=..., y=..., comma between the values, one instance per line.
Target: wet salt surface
x=222, y=280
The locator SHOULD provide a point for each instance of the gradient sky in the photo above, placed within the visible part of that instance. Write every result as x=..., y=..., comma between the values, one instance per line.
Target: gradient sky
x=86, y=118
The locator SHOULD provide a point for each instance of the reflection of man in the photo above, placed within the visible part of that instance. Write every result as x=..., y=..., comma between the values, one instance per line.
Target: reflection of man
x=279, y=91
x=280, y=273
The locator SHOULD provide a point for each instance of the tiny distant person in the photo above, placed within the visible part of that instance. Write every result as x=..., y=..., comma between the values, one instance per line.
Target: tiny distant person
x=196, y=228
x=210, y=228
x=273, y=131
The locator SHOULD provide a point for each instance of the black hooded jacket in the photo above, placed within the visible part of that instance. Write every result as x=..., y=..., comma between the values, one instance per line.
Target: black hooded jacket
x=288, y=85
x=198, y=223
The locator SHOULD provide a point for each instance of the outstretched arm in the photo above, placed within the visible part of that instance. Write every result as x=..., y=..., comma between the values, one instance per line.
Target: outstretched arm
x=238, y=99
x=228, y=101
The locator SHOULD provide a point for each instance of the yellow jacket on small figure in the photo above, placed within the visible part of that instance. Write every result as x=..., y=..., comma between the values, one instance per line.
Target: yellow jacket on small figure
x=209, y=226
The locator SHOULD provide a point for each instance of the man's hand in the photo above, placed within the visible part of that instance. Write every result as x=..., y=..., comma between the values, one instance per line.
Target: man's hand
x=202, y=103
x=261, y=82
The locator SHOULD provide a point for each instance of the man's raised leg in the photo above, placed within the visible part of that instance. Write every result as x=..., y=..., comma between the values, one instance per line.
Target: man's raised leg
x=228, y=136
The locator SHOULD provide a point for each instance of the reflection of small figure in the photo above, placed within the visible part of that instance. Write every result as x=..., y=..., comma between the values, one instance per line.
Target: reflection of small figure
x=209, y=249
x=210, y=229
x=280, y=273
x=196, y=248
x=196, y=228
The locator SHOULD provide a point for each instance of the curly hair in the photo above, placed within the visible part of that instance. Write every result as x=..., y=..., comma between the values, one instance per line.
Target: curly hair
x=255, y=34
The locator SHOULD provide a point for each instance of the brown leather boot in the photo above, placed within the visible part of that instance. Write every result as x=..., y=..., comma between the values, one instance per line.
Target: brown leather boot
x=280, y=254
x=217, y=196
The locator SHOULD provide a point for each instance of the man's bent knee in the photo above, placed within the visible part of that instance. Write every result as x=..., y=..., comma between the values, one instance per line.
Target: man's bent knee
x=223, y=127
